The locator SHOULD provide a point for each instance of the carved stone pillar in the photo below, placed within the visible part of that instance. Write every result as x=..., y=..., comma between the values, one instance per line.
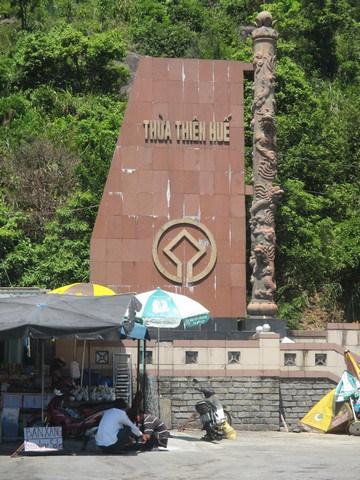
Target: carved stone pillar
x=266, y=195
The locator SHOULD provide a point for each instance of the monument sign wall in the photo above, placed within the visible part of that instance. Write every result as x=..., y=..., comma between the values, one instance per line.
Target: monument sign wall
x=173, y=209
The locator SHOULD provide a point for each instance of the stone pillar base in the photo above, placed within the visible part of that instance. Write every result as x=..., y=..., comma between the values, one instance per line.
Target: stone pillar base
x=266, y=310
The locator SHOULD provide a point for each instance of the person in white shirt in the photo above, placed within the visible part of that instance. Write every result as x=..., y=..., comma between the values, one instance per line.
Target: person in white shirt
x=116, y=431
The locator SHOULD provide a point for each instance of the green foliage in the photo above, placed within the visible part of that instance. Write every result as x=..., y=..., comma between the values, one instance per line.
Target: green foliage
x=305, y=236
x=95, y=132
x=66, y=58
x=5, y=74
x=63, y=255
x=24, y=10
x=38, y=176
x=19, y=121
x=348, y=53
x=87, y=126
x=154, y=32
x=12, y=238
x=10, y=228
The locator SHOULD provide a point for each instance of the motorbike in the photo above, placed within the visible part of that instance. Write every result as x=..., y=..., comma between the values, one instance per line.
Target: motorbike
x=76, y=422
x=212, y=414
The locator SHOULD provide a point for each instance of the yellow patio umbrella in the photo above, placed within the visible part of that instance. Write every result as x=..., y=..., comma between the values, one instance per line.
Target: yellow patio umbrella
x=84, y=289
x=321, y=414
x=351, y=364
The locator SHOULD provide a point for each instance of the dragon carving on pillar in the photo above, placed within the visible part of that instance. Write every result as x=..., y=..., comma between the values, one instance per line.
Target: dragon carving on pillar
x=266, y=195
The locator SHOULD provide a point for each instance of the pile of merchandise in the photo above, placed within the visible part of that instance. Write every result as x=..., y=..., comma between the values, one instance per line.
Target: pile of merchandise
x=100, y=393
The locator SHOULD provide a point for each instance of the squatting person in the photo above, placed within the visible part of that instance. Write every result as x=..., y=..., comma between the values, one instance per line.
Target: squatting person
x=116, y=431
x=155, y=431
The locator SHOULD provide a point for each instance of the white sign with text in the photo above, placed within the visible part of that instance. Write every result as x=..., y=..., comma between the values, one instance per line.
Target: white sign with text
x=43, y=439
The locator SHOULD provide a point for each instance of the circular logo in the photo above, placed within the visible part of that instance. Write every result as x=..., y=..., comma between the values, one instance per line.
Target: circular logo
x=204, y=247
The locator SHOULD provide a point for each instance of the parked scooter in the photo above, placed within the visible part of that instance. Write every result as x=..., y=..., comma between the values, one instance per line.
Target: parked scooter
x=212, y=414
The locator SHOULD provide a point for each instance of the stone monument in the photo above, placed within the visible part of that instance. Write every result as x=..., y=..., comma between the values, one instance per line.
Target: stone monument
x=173, y=213
x=266, y=194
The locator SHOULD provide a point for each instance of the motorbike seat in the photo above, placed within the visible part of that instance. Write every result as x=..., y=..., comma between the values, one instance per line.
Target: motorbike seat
x=203, y=407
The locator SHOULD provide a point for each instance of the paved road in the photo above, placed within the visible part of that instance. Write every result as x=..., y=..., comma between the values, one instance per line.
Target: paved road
x=254, y=455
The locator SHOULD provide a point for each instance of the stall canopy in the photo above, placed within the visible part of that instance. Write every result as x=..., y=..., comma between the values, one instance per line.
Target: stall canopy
x=44, y=316
x=84, y=289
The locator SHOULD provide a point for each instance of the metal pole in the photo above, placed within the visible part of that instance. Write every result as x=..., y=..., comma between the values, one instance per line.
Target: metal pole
x=158, y=370
x=42, y=379
x=138, y=366
x=266, y=195
x=144, y=374
x=82, y=365
x=89, y=365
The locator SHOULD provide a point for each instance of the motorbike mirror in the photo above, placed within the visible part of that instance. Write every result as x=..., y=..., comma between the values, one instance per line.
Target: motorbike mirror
x=208, y=393
x=195, y=380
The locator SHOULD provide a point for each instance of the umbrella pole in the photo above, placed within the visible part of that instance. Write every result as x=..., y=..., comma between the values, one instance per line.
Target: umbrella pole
x=89, y=365
x=82, y=365
x=42, y=379
x=138, y=366
x=144, y=374
x=158, y=370
x=353, y=409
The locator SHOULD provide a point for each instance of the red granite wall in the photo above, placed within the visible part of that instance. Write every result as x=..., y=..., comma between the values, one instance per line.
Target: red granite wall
x=153, y=182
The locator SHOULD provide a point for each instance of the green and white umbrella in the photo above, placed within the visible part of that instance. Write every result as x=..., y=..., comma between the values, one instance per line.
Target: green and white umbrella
x=161, y=309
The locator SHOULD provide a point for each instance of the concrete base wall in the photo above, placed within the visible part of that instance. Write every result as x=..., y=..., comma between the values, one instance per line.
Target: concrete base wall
x=297, y=396
x=255, y=402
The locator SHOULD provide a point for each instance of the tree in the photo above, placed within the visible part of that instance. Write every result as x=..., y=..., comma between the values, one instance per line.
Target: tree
x=39, y=178
x=23, y=9
x=63, y=255
x=66, y=58
x=11, y=237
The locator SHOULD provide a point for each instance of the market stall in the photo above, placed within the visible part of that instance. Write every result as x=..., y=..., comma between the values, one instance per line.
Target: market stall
x=45, y=318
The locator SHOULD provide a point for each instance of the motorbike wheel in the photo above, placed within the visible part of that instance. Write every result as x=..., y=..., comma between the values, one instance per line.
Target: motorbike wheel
x=210, y=434
x=354, y=428
x=208, y=437
x=228, y=417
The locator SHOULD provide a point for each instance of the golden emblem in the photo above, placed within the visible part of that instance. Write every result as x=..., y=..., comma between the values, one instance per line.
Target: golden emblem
x=201, y=246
